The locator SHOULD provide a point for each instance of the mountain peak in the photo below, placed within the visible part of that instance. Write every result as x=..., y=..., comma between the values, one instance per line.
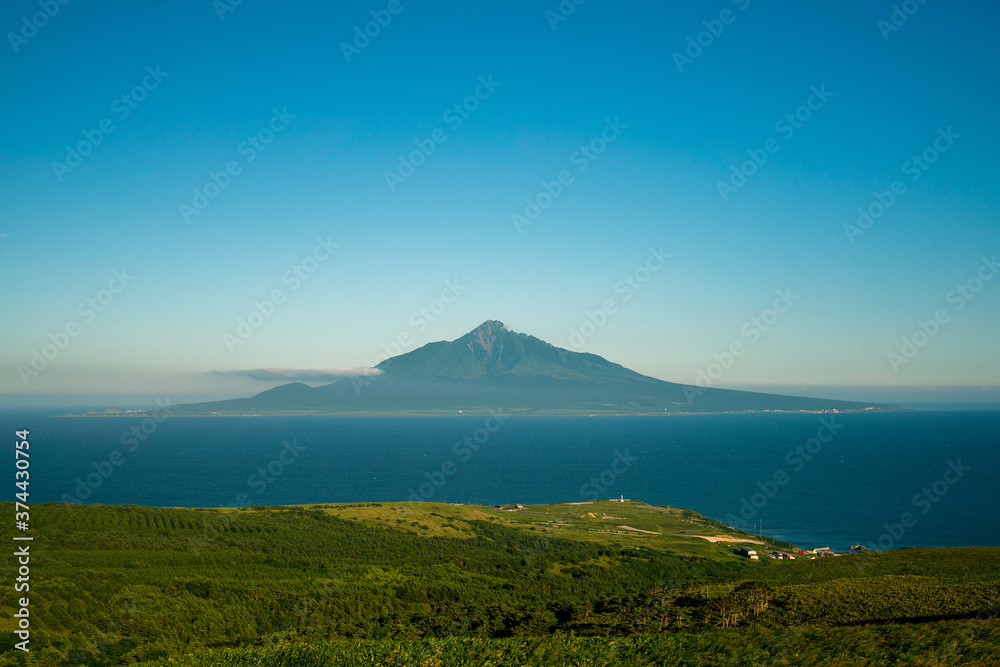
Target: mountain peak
x=491, y=350
x=484, y=338
x=496, y=324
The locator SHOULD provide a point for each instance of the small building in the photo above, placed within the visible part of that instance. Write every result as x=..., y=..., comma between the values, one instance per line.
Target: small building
x=747, y=552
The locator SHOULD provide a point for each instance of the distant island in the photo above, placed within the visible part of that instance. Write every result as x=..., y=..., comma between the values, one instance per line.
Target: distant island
x=494, y=369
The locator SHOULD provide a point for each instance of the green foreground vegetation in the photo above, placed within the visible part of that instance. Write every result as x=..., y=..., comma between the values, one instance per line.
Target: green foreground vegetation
x=598, y=583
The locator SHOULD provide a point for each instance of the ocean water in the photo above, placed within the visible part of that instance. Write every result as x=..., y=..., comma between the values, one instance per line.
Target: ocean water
x=896, y=479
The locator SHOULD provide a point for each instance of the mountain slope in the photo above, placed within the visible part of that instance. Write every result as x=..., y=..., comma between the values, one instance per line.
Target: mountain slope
x=493, y=350
x=493, y=368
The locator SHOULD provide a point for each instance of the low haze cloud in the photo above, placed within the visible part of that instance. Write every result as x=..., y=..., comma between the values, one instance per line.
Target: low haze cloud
x=301, y=374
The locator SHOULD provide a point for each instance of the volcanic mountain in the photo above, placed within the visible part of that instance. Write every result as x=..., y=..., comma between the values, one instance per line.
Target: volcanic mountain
x=494, y=368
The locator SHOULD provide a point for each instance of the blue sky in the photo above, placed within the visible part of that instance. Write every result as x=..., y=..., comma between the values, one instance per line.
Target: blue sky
x=509, y=98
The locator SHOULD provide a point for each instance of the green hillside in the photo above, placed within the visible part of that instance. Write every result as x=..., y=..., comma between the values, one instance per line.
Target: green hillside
x=437, y=584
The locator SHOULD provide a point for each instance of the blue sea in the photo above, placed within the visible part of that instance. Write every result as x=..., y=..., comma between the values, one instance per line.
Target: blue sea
x=889, y=480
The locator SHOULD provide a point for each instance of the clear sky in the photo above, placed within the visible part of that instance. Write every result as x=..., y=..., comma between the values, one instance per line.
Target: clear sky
x=693, y=165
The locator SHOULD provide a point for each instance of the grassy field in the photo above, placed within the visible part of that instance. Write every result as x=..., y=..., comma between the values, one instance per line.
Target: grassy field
x=665, y=529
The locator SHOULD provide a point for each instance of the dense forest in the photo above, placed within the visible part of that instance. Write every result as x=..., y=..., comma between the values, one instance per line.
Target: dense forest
x=411, y=584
